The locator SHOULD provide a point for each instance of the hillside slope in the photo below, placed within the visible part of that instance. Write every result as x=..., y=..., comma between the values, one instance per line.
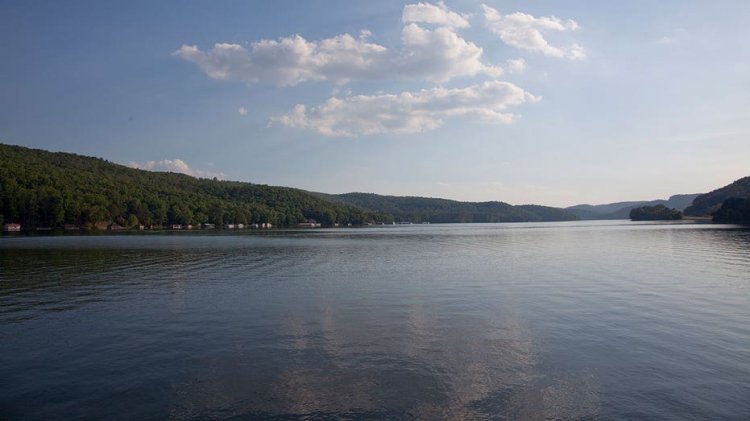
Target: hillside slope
x=707, y=204
x=434, y=210
x=46, y=189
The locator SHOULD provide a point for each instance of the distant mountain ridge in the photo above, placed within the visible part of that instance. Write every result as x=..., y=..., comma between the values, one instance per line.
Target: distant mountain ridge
x=621, y=210
x=434, y=210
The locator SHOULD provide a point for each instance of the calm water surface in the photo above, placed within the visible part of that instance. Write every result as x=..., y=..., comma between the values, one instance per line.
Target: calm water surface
x=585, y=320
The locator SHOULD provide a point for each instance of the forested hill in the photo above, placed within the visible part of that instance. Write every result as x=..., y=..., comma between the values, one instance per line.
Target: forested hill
x=707, y=204
x=45, y=189
x=425, y=209
x=50, y=189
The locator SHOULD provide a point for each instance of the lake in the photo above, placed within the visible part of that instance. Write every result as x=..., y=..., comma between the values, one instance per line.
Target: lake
x=575, y=320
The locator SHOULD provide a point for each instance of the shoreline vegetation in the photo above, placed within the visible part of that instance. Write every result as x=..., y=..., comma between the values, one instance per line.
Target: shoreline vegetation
x=43, y=191
x=655, y=213
x=304, y=226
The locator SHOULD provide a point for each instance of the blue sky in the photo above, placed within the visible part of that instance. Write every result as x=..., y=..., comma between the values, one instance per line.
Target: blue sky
x=548, y=102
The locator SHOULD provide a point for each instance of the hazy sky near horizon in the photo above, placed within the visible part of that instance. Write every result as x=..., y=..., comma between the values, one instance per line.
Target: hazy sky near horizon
x=547, y=102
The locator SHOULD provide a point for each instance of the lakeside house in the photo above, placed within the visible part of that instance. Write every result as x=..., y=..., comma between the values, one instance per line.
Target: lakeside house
x=263, y=225
x=311, y=223
x=105, y=226
x=12, y=227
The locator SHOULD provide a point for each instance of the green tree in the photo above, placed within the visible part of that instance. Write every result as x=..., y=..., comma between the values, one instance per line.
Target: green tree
x=132, y=221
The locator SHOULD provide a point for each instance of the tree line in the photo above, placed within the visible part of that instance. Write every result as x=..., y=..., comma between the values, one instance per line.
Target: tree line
x=655, y=213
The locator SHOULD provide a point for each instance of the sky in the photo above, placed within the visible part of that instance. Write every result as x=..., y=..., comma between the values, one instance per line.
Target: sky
x=546, y=102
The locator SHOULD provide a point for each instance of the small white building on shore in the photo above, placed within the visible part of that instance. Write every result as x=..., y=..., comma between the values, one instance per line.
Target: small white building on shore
x=12, y=227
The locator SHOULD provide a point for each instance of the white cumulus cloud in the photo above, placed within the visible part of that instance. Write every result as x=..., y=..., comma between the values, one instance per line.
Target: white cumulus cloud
x=437, y=14
x=437, y=55
x=408, y=112
x=440, y=55
x=174, y=165
x=289, y=60
x=516, y=65
x=524, y=31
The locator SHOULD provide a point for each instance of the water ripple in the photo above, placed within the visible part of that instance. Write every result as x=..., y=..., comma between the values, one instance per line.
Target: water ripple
x=583, y=320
